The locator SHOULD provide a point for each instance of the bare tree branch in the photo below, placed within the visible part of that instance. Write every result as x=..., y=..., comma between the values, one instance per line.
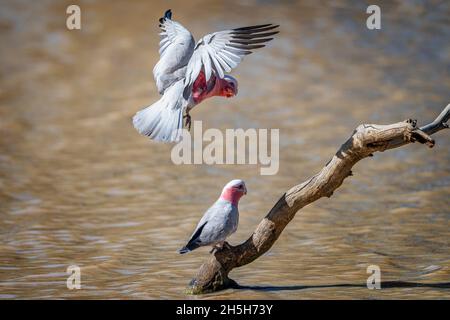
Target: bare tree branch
x=439, y=123
x=365, y=140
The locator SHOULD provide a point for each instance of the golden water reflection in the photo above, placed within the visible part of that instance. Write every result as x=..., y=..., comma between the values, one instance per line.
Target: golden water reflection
x=78, y=185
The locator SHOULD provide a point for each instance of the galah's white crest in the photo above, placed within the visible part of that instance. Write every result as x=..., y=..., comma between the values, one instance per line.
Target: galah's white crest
x=188, y=73
x=220, y=220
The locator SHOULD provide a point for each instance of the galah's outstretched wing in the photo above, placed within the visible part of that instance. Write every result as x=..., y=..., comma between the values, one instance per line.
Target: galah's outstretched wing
x=222, y=51
x=175, y=48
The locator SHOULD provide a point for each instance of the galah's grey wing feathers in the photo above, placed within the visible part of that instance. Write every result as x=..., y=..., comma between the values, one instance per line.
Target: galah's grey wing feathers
x=210, y=216
x=175, y=49
x=196, y=235
x=218, y=225
x=172, y=33
x=218, y=222
x=201, y=224
x=222, y=51
x=196, y=239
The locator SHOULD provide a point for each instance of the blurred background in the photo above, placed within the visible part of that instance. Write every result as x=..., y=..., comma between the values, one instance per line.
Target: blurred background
x=79, y=186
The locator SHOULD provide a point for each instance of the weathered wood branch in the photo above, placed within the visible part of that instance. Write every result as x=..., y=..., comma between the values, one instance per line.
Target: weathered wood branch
x=365, y=140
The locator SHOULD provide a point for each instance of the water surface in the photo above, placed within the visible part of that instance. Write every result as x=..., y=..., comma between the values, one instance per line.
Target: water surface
x=79, y=186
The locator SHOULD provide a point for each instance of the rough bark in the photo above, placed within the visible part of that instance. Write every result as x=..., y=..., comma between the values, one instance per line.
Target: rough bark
x=365, y=140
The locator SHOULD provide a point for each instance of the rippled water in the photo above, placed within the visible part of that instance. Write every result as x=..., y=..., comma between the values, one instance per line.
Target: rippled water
x=78, y=185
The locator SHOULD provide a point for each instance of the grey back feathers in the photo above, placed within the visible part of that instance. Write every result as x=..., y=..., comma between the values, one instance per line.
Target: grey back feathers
x=222, y=51
x=175, y=48
x=219, y=222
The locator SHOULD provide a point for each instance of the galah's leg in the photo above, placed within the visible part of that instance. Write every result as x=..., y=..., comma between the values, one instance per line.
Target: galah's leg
x=217, y=247
x=188, y=120
x=226, y=245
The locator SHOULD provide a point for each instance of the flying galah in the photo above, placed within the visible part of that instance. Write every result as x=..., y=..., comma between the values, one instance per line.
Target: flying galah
x=220, y=220
x=188, y=73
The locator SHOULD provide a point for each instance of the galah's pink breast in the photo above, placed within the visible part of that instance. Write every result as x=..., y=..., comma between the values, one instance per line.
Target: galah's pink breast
x=199, y=88
x=202, y=89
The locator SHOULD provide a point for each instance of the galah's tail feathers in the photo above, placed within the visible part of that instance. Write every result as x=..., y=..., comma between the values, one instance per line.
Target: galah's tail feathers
x=163, y=120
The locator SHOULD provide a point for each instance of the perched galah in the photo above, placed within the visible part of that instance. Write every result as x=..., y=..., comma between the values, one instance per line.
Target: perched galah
x=188, y=73
x=220, y=220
